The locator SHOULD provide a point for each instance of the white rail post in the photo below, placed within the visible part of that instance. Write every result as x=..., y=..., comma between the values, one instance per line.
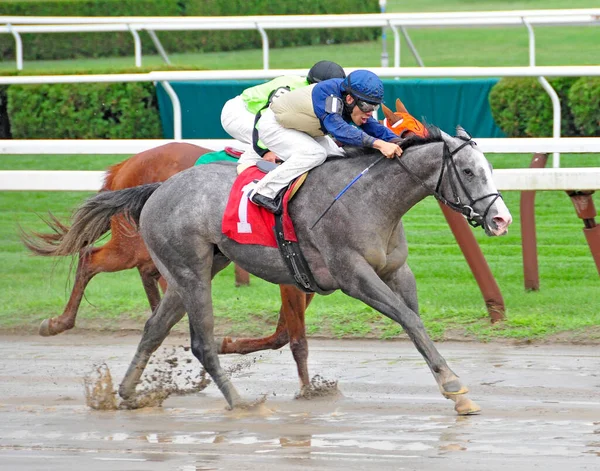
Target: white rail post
x=18, y=46
x=394, y=29
x=176, y=109
x=137, y=44
x=549, y=90
x=385, y=62
x=265, y=45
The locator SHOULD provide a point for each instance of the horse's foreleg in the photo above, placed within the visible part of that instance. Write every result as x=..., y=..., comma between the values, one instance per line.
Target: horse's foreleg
x=291, y=299
x=295, y=302
x=364, y=284
x=169, y=312
x=404, y=285
x=249, y=345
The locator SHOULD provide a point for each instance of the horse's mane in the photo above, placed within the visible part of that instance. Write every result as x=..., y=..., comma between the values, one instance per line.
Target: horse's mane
x=434, y=134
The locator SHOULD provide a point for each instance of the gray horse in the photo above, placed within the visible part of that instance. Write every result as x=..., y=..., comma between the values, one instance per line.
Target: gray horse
x=359, y=246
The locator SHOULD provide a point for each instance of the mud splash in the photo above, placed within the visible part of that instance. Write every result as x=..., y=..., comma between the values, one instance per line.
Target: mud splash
x=99, y=390
x=319, y=387
x=169, y=373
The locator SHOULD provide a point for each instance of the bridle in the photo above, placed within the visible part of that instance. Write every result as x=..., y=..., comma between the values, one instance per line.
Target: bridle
x=475, y=219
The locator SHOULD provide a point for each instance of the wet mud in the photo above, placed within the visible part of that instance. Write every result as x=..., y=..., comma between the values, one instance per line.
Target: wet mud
x=376, y=406
x=171, y=371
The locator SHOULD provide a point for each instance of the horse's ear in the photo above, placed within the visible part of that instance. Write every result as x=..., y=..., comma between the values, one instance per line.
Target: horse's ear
x=400, y=108
x=389, y=114
x=460, y=132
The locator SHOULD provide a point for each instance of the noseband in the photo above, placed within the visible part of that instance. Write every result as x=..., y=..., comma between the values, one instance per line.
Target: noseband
x=475, y=219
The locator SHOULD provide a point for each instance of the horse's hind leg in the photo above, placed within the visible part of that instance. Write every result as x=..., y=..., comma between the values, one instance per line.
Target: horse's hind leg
x=91, y=262
x=119, y=253
x=150, y=276
x=84, y=273
x=169, y=312
x=193, y=275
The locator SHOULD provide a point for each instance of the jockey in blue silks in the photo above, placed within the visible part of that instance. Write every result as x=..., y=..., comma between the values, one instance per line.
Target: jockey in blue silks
x=301, y=127
x=238, y=114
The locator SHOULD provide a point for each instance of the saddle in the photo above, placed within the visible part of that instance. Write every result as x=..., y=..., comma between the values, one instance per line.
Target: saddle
x=247, y=223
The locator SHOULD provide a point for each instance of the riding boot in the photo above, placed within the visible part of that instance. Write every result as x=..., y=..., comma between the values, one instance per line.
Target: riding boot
x=274, y=206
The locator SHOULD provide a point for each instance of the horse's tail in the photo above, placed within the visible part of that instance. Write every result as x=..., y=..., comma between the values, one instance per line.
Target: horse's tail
x=90, y=222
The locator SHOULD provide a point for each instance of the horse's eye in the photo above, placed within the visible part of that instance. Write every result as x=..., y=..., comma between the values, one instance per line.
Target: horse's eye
x=468, y=172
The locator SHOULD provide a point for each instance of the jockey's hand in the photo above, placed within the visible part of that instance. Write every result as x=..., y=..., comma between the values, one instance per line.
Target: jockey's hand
x=270, y=157
x=389, y=149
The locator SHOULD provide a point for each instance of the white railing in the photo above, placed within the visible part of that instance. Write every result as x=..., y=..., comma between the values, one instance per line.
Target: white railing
x=506, y=179
x=397, y=22
x=165, y=76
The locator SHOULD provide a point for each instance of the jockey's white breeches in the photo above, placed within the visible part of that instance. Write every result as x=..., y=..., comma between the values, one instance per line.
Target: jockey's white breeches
x=237, y=121
x=299, y=151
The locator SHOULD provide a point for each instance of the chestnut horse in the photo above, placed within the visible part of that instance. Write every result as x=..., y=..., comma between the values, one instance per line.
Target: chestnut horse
x=126, y=249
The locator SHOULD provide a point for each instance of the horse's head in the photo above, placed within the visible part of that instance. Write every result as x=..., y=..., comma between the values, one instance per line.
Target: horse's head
x=401, y=122
x=467, y=184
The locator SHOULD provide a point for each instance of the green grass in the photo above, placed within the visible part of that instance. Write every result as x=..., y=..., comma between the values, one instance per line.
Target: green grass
x=35, y=288
x=450, y=302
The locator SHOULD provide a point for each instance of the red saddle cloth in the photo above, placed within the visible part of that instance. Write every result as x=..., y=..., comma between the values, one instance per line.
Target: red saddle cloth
x=247, y=223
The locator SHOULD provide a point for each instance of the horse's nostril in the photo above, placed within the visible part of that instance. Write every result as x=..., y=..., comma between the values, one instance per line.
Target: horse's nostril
x=501, y=222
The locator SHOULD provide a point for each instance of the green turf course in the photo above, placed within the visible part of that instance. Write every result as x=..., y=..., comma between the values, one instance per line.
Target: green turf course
x=34, y=288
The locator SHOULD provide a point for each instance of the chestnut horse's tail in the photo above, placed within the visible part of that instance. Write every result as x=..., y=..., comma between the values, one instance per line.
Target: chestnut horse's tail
x=90, y=222
x=45, y=244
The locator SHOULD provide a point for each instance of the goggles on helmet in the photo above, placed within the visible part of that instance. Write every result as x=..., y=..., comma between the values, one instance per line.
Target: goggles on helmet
x=365, y=106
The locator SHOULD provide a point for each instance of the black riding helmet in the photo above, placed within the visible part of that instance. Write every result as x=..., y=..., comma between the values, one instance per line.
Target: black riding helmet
x=325, y=70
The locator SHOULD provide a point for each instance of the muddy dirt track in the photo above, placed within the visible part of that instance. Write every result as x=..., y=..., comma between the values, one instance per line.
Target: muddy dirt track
x=541, y=410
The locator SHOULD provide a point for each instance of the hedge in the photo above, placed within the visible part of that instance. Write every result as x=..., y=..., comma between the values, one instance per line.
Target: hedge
x=83, y=111
x=522, y=108
x=584, y=100
x=74, y=45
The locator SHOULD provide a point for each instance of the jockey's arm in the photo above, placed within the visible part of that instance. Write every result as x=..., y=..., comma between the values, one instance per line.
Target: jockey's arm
x=341, y=131
x=374, y=128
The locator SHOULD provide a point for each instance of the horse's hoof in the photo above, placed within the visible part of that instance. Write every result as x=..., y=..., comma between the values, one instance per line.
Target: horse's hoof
x=245, y=405
x=46, y=329
x=453, y=388
x=465, y=406
x=125, y=393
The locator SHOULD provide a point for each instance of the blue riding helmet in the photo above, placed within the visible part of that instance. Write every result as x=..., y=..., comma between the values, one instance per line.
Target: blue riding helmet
x=364, y=85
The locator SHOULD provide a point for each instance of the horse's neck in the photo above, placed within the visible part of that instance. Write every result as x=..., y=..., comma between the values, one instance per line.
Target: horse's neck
x=403, y=190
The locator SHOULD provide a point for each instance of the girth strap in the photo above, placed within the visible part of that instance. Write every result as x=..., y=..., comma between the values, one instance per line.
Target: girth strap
x=294, y=259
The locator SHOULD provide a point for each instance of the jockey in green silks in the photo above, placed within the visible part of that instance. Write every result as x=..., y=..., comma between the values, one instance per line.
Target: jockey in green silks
x=239, y=113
